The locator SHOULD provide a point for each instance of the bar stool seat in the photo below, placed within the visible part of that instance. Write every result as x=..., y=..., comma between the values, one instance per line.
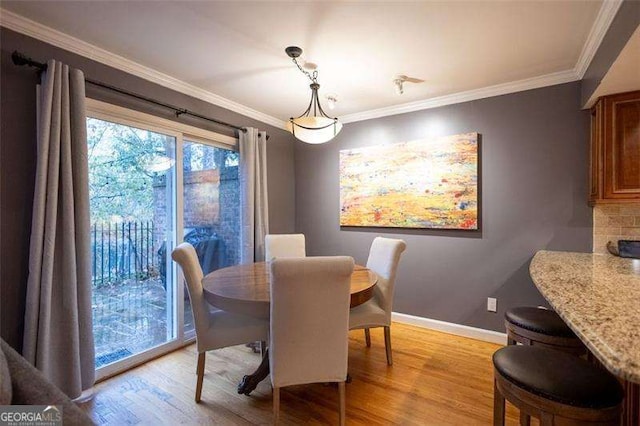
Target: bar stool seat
x=554, y=385
x=539, y=320
x=541, y=327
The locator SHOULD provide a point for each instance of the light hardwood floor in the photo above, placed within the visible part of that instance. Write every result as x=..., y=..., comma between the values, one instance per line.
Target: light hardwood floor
x=436, y=379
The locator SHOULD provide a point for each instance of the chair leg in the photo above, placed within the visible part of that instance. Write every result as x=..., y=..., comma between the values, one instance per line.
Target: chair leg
x=367, y=337
x=525, y=419
x=498, y=406
x=200, y=370
x=343, y=404
x=387, y=344
x=276, y=405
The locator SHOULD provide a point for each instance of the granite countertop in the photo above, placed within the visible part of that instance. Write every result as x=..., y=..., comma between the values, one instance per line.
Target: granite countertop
x=598, y=296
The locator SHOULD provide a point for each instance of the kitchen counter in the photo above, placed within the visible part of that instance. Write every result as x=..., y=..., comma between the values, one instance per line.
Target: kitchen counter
x=598, y=296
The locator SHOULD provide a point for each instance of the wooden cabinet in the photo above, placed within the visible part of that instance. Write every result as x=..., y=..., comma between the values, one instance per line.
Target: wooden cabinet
x=615, y=149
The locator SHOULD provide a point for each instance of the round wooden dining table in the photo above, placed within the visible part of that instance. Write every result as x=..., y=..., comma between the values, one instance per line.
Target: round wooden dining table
x=244, y=289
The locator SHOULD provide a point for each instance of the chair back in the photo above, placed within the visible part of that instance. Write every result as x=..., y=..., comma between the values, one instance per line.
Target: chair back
x=284, y=245
x=384, y=257
x=309, y=326
x=185, y=255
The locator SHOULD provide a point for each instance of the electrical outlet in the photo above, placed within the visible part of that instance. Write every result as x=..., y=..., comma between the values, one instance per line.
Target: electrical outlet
x=492, y=304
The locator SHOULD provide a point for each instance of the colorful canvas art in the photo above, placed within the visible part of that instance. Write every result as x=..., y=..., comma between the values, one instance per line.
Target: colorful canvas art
x=428, y=183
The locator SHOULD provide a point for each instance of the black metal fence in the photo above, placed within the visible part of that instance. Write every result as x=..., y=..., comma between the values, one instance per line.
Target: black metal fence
x=122, y=251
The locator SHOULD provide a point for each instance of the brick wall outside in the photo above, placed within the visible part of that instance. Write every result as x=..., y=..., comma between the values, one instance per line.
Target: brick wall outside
x=613, y=222
x=211, y=200
x=201, y=198
x=159, y=211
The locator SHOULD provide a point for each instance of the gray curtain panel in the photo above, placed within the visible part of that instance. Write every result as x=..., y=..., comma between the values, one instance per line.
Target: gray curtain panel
x=58, y=335
x=253, y=194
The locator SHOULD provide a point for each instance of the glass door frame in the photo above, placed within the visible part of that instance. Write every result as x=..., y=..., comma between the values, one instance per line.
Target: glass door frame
x=181, y=132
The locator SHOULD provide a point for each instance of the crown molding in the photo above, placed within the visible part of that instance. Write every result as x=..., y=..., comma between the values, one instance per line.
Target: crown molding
x=41, y=32
x=469, y=95
x=64, y=41
x=607, y=12
x=599, y=29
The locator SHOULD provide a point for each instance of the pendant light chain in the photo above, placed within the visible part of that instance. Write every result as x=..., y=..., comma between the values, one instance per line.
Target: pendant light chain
x=313, y=77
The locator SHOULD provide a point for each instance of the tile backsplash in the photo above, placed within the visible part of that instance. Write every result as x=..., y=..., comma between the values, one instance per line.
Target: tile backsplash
x=613, y=222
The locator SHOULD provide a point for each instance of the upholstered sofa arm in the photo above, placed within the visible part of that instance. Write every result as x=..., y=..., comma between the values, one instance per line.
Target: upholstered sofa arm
x=31, y=387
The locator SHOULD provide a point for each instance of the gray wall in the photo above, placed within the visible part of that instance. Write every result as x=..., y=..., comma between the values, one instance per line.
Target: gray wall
x=534, y=196
x=622, y=27
x=17, y=157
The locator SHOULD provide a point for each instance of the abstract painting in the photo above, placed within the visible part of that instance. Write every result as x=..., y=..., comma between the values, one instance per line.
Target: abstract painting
x=427, y=183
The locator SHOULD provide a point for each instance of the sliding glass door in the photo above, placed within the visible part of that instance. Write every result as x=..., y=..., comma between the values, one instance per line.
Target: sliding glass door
x=153, y=183
x=132, y=179
x=211, y=200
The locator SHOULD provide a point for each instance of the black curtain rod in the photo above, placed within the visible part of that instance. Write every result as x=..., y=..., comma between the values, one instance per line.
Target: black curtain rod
x=21, y=59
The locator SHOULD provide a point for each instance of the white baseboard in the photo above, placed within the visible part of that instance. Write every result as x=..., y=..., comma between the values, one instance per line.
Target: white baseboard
x=451, y=328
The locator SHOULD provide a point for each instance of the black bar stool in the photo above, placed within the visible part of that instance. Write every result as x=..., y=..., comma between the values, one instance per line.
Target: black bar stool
x=541, y=327
x=554, y=386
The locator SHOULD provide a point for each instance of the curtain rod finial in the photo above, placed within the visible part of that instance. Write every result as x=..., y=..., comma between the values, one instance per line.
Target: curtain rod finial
x=18, y=58
x=21, y=59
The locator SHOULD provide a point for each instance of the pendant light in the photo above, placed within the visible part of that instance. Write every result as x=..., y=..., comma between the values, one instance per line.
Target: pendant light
x=314, y=125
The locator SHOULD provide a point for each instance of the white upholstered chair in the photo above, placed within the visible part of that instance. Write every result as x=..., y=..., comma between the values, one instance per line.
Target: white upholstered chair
x=310, y=300
x=384, y=257
x=284, y=245
x=215, y=329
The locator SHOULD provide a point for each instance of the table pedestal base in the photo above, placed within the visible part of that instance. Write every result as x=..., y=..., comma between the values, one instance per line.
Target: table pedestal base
x=250, y=381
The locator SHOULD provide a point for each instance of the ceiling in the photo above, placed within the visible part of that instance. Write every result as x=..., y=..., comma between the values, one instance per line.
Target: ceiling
x=236, y=49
